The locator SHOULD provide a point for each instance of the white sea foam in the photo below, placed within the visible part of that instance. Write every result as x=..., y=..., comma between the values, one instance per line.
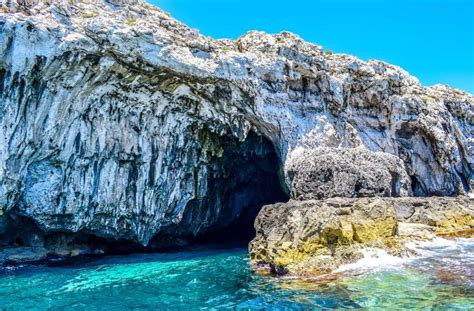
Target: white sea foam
x=434, y=243
x=438, y=245
x=373, y=258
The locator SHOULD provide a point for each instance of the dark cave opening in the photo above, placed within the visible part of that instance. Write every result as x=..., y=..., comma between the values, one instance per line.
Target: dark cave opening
x=242, y=177
x=247, y=176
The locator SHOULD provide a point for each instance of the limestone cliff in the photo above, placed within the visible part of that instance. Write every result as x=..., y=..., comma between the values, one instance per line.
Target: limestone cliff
x=120, y=122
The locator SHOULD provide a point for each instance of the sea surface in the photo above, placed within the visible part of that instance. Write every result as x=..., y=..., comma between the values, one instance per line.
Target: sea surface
x=214, y=278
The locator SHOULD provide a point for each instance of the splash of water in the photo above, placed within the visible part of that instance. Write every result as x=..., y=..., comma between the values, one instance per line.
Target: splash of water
x=373, y=258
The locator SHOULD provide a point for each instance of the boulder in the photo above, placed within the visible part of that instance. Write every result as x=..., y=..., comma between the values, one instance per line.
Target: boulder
x=346, y=172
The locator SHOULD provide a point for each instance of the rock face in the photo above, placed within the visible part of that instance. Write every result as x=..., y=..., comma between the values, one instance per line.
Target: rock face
x=122, y=123
x=346, y=172
x=317, y=236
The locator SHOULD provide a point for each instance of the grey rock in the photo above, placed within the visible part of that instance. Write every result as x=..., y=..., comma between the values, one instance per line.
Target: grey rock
x=447, y=214
x=346, y=172
x=414, y=230
x=19, y=255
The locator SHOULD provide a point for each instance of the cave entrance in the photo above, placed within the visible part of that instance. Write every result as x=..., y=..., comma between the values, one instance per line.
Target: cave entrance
x=247, y=176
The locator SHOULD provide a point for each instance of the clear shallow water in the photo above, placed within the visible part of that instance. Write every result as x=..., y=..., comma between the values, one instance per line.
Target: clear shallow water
x=442, y=279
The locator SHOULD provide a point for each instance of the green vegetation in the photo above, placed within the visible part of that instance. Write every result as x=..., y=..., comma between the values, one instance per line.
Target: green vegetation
x=130, y=21
x=328, y=52
x=90, y=14
x=425, y=99
x=239, y=45
x=280, y=41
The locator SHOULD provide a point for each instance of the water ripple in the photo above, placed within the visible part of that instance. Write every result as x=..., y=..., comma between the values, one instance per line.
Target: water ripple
x=440, y=278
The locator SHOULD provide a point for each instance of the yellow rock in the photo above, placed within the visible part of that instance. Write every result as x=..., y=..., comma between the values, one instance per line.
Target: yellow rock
x=455, y=222
x=347, y=232
x=369, y=230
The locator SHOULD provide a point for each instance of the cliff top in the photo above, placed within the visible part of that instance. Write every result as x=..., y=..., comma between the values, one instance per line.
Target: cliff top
x=135, y=29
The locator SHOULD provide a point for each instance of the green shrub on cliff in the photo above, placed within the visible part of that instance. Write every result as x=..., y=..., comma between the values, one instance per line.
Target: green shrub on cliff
x=90, y=14
x=130, y=21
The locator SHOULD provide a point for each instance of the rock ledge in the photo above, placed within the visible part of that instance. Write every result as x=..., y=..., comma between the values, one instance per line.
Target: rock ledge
x=310, y=238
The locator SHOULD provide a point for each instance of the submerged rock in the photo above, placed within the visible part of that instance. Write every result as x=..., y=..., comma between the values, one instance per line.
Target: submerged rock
x=120, y=122
x=308, y=238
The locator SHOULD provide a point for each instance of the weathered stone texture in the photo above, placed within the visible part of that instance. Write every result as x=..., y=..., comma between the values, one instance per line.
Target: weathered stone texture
x=346, y=172
x=309, y=238
x=115, y=118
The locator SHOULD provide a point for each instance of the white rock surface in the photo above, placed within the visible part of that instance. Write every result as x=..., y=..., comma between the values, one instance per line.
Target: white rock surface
x=102, y=104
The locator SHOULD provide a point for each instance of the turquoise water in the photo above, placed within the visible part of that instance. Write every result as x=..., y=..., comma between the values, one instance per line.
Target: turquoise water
x=212, y=278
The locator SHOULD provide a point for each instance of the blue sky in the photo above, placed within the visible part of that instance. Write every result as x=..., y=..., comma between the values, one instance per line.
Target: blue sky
x=432, y=39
